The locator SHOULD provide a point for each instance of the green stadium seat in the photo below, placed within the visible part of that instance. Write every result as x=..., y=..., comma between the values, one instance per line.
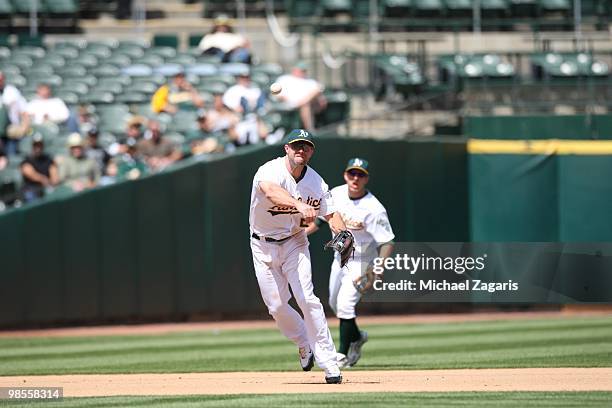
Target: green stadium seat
x=70, y=98
x=395, y=8
x=113, y=88
x=563, y=7
x=182, y=59
x=9, y=69
x=72, y=70
x=120, y=79
x=459, y=8
x=41, y=70
x=73, y=86
x=113, y=117
x=29, y=50
x=428, y=8
x=29, y=40
x=25, y=6
x=132, y=97
x=56, y=61
x=494, y=8
x=194, y=41
x=6, y=13
x=333, y=7
x=105, y=70
x=524, y=8
x=52, y=80
x=273, y=70
x=61, y=6
x=166, y=40
x=5, y=40
x=120, y=60
x=151, y=60
x=97, y=97
x=87, y=60
x=87, y=79
x=65, y=52
x=338, y=108
x=163, y=52
x=303, y=9
x=183, y=121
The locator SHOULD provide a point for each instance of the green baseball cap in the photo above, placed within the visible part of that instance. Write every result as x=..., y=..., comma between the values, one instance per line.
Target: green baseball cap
x=358, y=164
x=300, y=135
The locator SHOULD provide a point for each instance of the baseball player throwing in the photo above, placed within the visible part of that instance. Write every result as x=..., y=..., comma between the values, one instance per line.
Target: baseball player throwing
x=286, y=195
x=367, y=220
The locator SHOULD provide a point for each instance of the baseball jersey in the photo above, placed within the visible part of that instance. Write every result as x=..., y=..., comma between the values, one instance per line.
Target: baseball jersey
x=269, y=220
x=366, y=218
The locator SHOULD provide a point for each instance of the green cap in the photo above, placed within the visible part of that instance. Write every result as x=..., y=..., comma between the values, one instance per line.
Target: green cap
x=358, y=164
x=300, y=135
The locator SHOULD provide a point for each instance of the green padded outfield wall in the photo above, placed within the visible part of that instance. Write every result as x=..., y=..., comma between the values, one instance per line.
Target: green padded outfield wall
x=177, y=244
x=545, y=190
x=539, y=127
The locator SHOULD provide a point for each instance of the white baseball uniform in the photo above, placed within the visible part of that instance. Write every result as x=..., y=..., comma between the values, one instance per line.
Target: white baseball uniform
x=279, y=264
x=367, y=219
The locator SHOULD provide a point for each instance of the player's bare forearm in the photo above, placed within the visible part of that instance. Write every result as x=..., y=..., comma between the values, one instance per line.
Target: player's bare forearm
x=336, y=223
x=277, y=194
x=385, y=250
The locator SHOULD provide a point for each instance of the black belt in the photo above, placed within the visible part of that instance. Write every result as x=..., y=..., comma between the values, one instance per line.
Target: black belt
x=268, y=239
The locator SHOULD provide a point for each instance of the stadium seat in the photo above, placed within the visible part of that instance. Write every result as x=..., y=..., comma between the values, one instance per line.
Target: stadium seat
x=120, y=60
x=166, y=40
x=194, y=41
x=333, y=7
x=29, y=40
x=396, y=8
x=182, y=59
x=523, y=8
x=98, y=97
x=297, y=9
x=105, y=70
x=30, y=51
x=70, y=98
x=495, y=8
x=162, y=51
x=428, y=8
x=459, y=8
x=68, y=53
x=132, y=97
x=72, y=70
x=6, y=12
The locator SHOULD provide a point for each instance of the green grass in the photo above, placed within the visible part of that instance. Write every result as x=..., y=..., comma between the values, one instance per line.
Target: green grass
x=568, y=342
x=443, y=400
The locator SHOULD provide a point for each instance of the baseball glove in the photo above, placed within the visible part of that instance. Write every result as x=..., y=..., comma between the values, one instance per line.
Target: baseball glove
x=344, y=244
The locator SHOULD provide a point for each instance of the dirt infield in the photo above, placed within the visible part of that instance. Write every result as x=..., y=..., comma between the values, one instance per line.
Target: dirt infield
x=524, y=379
x=520, y=379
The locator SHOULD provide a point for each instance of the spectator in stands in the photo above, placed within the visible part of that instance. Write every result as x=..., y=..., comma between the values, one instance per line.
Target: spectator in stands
x=251, y=130
x=129, y=165
x=46, y=108
x=177, y=94
x=38, y=171
x=202, y=140
x=223, y=42
x=157, y=151
x=96, y=152
x=303, y=93
x=15, y=107
x=3, y=158
x=77, y=171
x=220, y=118
x=244, y=97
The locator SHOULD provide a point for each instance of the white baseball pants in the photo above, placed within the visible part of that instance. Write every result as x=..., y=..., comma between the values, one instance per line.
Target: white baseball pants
x=343, y=297
x=278, y=265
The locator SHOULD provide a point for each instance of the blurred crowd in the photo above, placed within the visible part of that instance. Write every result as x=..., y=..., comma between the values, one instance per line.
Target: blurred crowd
x=85, y=158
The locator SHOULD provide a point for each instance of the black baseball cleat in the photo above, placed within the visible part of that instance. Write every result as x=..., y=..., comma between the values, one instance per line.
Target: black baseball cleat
x=334, y=380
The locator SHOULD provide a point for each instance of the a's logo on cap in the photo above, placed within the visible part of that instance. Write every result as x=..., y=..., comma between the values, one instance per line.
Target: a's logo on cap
x=303, y=133
x=358, y=162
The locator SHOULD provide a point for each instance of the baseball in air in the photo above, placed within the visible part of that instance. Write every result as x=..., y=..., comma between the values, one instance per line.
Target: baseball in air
x=275, y=88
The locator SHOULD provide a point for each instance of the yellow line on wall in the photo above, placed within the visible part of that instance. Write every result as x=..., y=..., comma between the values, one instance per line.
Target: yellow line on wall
x=546, y=147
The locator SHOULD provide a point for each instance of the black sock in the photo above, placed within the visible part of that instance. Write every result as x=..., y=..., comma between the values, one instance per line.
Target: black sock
x=349, y=332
